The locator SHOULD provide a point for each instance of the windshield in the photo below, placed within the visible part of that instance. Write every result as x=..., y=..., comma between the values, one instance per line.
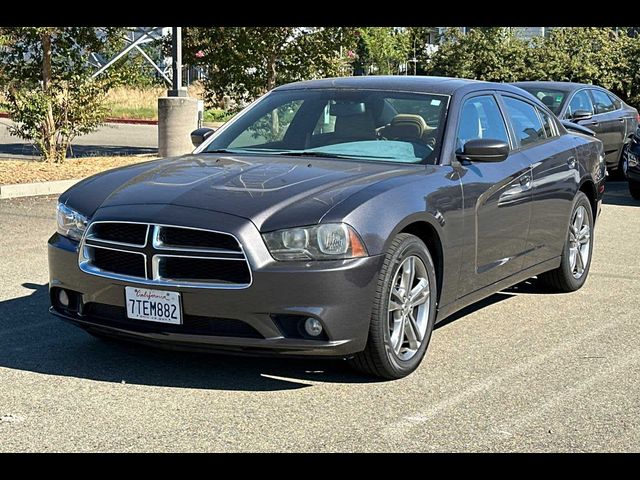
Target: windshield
x=351, y=124
x=551, y=98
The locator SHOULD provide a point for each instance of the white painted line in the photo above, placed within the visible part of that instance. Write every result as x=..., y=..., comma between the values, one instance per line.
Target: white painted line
x=408, y=422
x=32, y=189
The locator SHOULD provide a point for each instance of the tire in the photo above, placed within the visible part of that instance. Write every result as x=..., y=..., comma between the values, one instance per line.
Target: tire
x=570, y=276
x=379, y=357
x=617, y=172
x=634, y=189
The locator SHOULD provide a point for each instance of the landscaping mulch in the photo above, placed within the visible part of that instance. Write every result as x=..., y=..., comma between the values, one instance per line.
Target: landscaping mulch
x=32, y=171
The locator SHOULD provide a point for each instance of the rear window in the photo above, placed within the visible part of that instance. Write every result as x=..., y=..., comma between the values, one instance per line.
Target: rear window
x=526, y=123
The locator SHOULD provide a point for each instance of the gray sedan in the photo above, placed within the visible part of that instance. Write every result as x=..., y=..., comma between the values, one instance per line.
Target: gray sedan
x=612, y=120
x=337, y=217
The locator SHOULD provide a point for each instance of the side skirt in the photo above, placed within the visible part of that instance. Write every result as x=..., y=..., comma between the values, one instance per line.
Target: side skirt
x=484, y=292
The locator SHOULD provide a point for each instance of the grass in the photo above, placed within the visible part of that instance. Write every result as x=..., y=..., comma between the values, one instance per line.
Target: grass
x=31, y=171
x=142, y=103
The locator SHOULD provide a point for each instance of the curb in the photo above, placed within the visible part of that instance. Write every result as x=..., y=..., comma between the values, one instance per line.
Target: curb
x=33, y=189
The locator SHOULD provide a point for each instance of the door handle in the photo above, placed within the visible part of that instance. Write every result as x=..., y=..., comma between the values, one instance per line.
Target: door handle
x=621, y=120
x=594, y=123
x=571, y=161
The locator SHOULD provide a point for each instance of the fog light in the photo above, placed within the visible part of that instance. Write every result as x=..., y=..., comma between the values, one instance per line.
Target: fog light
x=63, y=298
x=313, y=327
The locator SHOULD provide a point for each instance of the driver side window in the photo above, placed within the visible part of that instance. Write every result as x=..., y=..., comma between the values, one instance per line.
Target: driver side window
x=580, y=101
x=480, y=117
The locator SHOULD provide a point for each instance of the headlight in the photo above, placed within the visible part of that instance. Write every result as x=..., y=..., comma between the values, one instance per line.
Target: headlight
x=632, y=159
x=71, y=224
x=330, y=241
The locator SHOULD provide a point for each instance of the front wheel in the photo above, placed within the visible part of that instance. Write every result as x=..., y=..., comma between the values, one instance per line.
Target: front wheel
x=576, y=254
x=404, y=311
x=634, y=189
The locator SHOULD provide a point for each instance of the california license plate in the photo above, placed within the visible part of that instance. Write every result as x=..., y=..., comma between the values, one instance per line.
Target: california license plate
x=153, y=305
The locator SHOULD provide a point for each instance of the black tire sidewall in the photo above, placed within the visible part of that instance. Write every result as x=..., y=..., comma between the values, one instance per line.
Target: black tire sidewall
x=634, y=189
x=410, y=246
x=576, y=283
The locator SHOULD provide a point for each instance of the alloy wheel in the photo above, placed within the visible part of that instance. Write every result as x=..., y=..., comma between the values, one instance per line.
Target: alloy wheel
x=579, y=242
x=409, y=307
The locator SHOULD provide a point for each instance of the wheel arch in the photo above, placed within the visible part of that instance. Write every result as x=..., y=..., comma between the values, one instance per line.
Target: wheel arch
x=427, y=231
x=588, y=187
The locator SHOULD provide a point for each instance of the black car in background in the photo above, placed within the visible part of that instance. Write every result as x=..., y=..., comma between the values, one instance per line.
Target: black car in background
x=612, y=120
x=338, y=217
x=632, y=165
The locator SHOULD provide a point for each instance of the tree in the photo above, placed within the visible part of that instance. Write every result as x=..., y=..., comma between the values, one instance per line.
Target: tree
x=245, y=62
x=47, y=82
x=383, y=49
x=492, y=54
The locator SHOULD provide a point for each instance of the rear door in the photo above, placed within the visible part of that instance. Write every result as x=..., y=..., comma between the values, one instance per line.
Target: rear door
x=555, y=178
x=609, y=124
x=497, y=197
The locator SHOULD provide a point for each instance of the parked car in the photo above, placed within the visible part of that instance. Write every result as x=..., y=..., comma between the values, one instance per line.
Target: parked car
x=337, y=217
x=632, y=165
x=612, y=120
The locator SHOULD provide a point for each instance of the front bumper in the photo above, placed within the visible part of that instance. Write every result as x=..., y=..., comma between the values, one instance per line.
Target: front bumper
x=338, y=293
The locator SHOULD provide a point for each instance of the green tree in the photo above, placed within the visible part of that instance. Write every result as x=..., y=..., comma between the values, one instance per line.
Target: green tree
x=47, y=83
x=382, y=50
x=579, y=54
x=245, y=62
x=491, y=54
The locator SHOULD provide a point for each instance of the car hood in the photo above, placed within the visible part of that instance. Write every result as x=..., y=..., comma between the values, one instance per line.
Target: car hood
x=272, y=192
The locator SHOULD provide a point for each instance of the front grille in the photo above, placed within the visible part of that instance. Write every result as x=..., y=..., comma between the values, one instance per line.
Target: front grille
x=111, y=315
x=130, y=233
x=164, y=255
x=203, y=269
x=196, y=239
x=117, y=261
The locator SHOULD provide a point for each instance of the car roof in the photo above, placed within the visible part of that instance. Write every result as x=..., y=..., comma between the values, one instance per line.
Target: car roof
x=406, y=83
x=562, y=86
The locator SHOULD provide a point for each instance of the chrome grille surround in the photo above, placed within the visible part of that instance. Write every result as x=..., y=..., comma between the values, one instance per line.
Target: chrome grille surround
x=154, y=250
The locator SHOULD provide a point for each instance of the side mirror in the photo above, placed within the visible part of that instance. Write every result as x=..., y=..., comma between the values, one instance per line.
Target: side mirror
x=200, y=135
x=484, y=150
x=581, y=115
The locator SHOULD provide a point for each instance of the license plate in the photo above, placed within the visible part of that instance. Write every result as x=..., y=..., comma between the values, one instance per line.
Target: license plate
x=153, y=305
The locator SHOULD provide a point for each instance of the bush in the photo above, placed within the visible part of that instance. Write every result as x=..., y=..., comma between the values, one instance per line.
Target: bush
x=47, y=84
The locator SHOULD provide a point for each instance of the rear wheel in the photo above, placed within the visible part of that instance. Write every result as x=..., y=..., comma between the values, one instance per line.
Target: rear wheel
x=404, y=311
x=620, y=171
x=634, y=189
x=576, y=255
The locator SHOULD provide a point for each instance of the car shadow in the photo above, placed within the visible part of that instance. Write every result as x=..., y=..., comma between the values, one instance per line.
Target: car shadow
x=33, y=340
x=529, y=287
x=617, y=193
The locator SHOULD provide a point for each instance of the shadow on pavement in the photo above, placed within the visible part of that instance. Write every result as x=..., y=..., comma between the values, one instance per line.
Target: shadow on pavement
x=78, y=151
x=617, y=193
x=33, y=340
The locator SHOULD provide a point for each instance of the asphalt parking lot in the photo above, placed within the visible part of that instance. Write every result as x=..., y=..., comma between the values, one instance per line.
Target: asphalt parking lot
x=522, y=371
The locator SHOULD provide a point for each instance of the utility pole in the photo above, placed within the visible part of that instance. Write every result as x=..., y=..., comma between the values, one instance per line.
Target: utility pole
x=177, y=112
x=176, y=65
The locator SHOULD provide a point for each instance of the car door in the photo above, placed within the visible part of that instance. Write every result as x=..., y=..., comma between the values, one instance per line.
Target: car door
x=555, y=178
x=608, y=123
x=497, y=198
